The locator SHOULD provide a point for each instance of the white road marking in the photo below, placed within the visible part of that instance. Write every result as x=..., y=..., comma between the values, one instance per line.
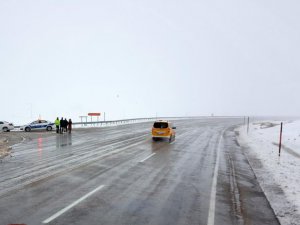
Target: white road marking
x=72, y=205
x=149, y=156
x=212, y=203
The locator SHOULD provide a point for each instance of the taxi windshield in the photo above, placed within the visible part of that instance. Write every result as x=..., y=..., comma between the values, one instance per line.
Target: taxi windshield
x=160, y=125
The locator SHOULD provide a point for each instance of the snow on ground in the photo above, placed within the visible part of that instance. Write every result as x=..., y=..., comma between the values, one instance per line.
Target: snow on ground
x=279, y=177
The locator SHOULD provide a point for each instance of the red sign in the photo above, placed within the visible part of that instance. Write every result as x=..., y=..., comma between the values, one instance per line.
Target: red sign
x=94, y=114
x=17, y=224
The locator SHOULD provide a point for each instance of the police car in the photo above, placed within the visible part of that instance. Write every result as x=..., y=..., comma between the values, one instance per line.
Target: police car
x=38, y=125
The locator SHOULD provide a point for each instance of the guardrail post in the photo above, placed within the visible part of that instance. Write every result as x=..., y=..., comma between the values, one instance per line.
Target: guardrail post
x=280, y=137
x=248, y=124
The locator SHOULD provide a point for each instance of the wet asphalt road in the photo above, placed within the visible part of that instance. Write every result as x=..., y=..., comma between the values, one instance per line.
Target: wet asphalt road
x=118, y=176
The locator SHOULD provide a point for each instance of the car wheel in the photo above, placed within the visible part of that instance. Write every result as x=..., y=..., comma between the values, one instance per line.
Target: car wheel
x=49, y=128
x=170, y=139
x=5, y=129
x=154, y=139
x=27, y=129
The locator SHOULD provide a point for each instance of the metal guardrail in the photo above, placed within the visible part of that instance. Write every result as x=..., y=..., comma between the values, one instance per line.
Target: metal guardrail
x=117, y=122
x=135, y=120
x=110, y=122
x=124, y=121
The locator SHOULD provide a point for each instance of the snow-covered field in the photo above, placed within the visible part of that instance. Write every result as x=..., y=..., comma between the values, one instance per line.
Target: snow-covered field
x=279, y=177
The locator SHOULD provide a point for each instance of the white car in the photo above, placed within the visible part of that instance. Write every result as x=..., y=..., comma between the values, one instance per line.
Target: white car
x=38, y=125
x=6, y=126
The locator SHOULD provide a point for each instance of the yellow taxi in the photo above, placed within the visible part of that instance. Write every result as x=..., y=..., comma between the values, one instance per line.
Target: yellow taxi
x=163, y=129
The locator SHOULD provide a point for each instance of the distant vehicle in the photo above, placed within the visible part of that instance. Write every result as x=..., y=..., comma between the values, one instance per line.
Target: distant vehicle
x=6, y=126
x=38, y=125
x=163, y=129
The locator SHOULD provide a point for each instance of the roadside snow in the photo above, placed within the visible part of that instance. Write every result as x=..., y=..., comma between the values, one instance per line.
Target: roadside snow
x=279, y=177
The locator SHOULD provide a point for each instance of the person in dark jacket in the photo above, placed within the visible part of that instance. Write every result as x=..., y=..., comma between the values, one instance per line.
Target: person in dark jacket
x=66, y=124
x=70, y=126
x=61, y=127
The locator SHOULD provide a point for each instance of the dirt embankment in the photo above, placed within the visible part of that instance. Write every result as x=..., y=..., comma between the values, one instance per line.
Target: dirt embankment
x=4, y=148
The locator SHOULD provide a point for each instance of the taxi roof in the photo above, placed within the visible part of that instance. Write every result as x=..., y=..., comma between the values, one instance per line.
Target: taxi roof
x=164, y=121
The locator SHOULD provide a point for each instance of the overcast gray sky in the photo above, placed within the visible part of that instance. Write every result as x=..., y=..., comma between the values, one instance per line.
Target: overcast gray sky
x=138, y=58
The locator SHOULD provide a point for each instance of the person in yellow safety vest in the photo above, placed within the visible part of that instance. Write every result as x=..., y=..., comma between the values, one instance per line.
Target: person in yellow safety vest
x=57, y=124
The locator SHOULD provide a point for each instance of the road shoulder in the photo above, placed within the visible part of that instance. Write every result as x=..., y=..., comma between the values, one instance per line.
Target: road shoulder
x=239, y=187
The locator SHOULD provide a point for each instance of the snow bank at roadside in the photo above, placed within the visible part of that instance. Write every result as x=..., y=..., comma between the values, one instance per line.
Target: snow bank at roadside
x=279, y=177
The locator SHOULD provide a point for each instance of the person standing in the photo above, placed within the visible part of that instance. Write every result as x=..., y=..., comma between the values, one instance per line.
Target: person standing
x=57, y=123
x=66, y=125
x=61, y=127
x=70, y=126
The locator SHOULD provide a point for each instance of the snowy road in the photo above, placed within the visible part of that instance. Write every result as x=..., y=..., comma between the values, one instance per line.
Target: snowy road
x=117, y=175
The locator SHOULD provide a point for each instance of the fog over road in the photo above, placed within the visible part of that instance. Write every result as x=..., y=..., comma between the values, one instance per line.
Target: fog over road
x=118, y=176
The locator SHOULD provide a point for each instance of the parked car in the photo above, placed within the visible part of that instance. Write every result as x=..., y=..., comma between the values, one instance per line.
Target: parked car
x=6, y=126
x=163, y=129
x=38, y=125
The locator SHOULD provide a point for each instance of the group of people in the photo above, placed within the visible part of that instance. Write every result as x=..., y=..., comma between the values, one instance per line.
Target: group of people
x=63, y=125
